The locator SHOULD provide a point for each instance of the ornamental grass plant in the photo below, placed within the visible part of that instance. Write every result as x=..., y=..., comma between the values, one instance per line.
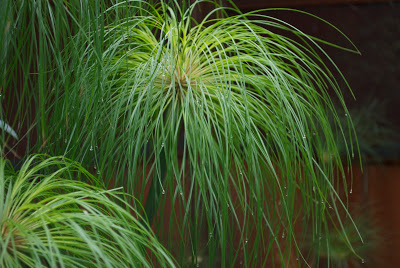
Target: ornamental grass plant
x=221, y=127
x=49, y=217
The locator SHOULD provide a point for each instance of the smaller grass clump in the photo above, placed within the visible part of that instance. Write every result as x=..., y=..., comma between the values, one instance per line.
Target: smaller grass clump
x=48, y=218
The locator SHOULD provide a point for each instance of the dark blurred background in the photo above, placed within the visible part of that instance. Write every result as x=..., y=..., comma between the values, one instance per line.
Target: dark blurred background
x=373, y=26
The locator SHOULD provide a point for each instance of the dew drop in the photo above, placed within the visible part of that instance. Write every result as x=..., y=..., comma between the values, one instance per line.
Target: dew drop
x=65, y=140
x=241, y=173
x=345, y=114
x=304, y=137
x=95, y=167
x=313, y=133
x=362, y=261
x=351, y=191
x=181, y=193
x=247, y=241
x=162, y=145
x=283, y=235
x=297, y=258
x=98, y=172
x=163, y=191
x=210, y=235
x=91, y=148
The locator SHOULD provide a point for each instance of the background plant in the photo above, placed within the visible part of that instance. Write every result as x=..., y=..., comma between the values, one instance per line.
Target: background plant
x=377, y=137
x=334, y=249
x=225, y=120
x=49, y=218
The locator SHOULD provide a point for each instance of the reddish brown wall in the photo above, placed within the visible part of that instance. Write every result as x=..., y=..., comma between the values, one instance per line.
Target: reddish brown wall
x=378, y=190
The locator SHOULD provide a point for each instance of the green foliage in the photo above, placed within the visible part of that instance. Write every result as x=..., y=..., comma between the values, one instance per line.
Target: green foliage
x=333, y=246
x=49, y=218
x=377, y=137
x=220, y=127
x=7, y=129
